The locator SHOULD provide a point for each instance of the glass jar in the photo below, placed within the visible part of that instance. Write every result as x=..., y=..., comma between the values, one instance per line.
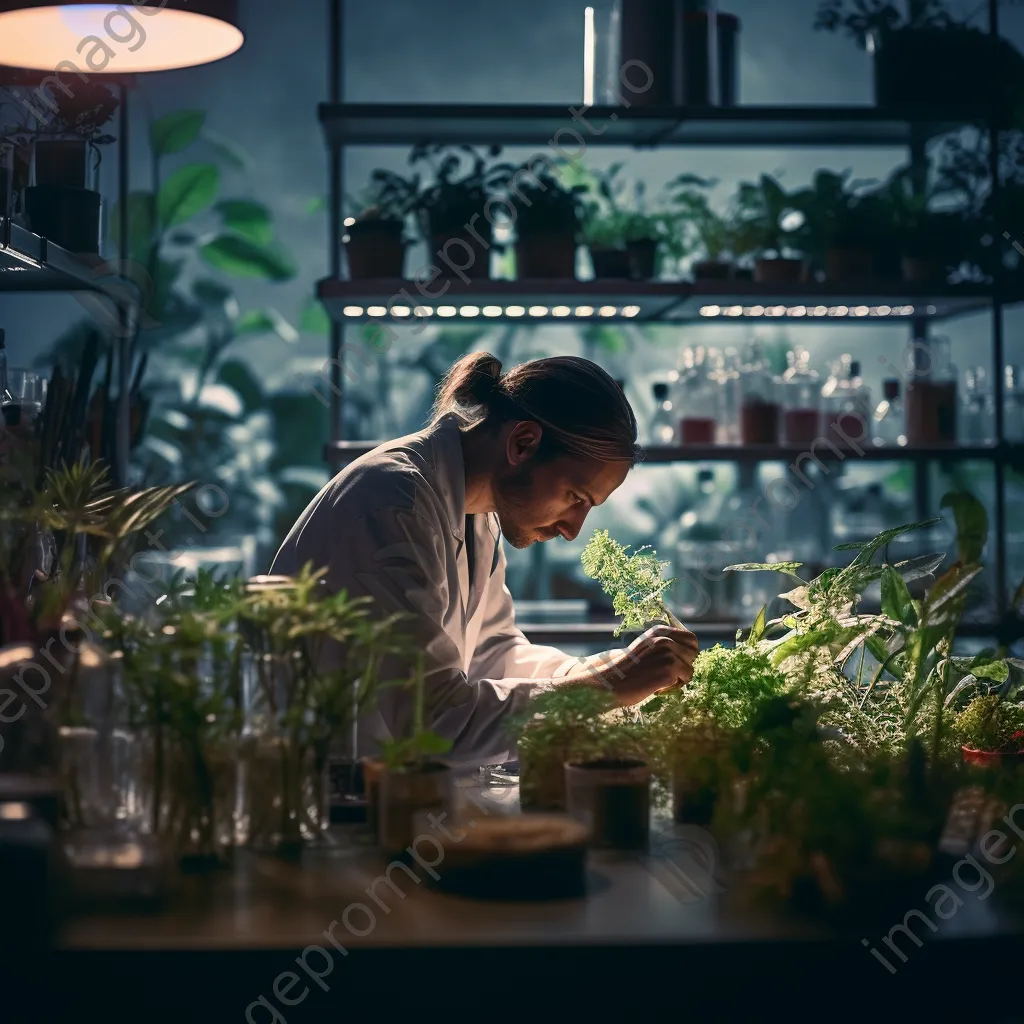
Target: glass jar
x=931, y=395
x=663, y=422
x=1013, y=405
x=602, y=53
x=760, y=411
x=847, y=405
x=699, y=403
x=801, y=399
x=977, y=408
x=890, y=427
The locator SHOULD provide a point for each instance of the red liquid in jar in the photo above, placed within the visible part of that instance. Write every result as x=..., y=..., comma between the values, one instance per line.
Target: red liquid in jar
x=802, y=425
x=759, y=423
x=931, y=412
x=697, y=430
x=847, y=429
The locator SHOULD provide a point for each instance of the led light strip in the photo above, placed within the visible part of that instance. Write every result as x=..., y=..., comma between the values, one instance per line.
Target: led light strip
x=809, y=311
x=472, y=312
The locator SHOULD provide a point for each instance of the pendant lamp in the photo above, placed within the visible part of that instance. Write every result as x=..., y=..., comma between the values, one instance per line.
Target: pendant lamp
x=116, y=38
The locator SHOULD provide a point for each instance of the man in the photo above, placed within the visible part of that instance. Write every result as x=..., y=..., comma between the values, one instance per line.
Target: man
x=416, y=524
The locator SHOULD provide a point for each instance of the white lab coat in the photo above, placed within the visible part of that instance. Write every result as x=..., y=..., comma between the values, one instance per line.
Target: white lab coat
x=391, y=525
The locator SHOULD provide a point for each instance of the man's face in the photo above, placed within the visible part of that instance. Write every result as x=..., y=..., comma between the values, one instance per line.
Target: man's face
x=540, y=501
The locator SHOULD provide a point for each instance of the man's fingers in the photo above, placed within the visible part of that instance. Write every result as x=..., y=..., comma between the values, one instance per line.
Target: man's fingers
x=683, y=637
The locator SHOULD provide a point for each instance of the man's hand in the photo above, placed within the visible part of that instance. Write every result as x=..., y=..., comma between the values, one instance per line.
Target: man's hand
x=658, y=659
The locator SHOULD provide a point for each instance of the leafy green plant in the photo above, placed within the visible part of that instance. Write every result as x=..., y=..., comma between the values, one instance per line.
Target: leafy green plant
x=610, y=219
x=838, y=213
x=761, y=212
x=463, y=183
x=860, y=19
x=546, y=200
x=411, y=752
x=991, y=724
x=633, y=581
x=697, y=226
x=388, y=197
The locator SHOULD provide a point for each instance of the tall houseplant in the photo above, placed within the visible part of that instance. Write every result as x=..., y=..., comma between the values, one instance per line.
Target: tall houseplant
x=376, y=242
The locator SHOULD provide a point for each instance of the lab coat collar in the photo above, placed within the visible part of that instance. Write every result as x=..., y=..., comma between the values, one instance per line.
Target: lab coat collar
x=450, y=471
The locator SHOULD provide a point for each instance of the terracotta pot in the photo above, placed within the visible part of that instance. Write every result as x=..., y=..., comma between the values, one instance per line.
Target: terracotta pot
x=375, y=250
x=613, y=799
x=992, y=758
x=546, y=256
x=610, y=263
x=643, y=258
x=779, y=271
x=460, y=256
x=711, y=270
x=849, y=264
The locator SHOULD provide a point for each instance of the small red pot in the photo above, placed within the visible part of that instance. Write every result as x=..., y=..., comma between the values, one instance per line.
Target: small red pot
x=992, y=758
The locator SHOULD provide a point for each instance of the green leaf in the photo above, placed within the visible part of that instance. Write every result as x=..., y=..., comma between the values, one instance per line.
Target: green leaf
x=757, y=629
x=971, y=524
x=241, y=258
x=896, y=600
x=188, y=191
x=266, y=321
x=247, y=218
x=789, y=568
x=228, y=151
x=175, y=132
x=235, y=374
x=314, y=318
x=995, y=671
x=211, y=292
x=868, y=550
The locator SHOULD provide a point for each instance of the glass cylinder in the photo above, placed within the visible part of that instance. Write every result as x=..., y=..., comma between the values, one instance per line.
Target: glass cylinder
x=760, y=411
x=931, y=396
x=663, y=422
x=602, y=53
x=847, y=405
x=1013, y=405
x=977, y=408
x=801, y=399
x=699, y=400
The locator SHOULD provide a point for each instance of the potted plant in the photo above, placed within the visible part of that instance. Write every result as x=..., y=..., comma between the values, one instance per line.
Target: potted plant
x=413, y=781
x=991, y=731
x=930, y=59
x=549, y=215
x=699, y=229
x=844, y=231
x=623, y=242
x=375, y=239
x=612, y=797
x=451, y=210
x=762, y=210
x=65, y=130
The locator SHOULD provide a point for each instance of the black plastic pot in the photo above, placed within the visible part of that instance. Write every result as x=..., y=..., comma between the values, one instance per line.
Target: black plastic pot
x=68, y=217
x=461, y=255
x=548, y=256
x=849, y=263
x=62, y=162
x=711, y=270
x=610, y=263
x=613, y=799
x=935, y=68
x=375, y=249
x=643, y=258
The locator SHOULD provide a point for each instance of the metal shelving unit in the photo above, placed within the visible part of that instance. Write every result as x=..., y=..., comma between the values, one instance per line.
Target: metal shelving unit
x=351, y=303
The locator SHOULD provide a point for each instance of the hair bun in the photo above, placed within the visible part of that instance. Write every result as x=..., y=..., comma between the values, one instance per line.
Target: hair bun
x=485, y=378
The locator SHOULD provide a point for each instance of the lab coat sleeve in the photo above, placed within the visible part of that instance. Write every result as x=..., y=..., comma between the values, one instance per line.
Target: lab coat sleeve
x=396, y=557
x=503, y=652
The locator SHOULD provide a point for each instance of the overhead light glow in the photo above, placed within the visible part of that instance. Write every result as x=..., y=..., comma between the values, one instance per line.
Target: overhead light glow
x=630, y=310
x=492, y=310
x=400, y=311
x=349, y=221
x=819, y=311
x=376, y=311
x=560, y=311
x=796, y=311
x=754, y=311
x=423, y=311
x=860, y=310
x=584, y=310
x=710, y=310
x=607, y=311
x=515, y=310
x=446, y=311
x=884, y=310
x=538, y=311
x=469, y=311
x=353, y=311
x=171, y=34
x=733, y=311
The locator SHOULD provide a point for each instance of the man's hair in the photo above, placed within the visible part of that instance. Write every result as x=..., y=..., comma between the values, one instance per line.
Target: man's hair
x=582, y=410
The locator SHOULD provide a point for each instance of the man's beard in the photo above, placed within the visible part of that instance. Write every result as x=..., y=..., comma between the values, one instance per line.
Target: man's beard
x=511, y=499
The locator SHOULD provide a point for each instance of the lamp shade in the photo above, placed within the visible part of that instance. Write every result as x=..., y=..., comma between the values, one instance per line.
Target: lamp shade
x=116, y=38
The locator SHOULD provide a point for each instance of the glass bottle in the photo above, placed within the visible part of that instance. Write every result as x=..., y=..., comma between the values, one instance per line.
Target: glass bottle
x=760, y=412
x=1013, y=405
x=847, y=404
x=702, y=590
x=699, y=404
x=602, y=49
x=931, y=395
x=977, y=409
x=725, y=374
x=801, y=397
x=890, y=428
x=663, y=423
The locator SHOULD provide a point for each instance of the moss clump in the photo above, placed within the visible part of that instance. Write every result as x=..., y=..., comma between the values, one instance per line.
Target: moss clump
x=991, y=724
